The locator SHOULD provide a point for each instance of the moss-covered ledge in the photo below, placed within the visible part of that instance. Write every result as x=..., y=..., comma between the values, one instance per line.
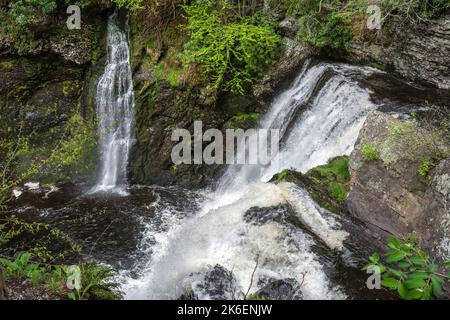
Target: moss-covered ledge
x=328, y=184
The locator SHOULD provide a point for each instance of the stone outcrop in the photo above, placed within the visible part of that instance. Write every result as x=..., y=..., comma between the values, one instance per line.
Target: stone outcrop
x=47, y=80
x=293, y=56
x=419, y=53
x=394, y=187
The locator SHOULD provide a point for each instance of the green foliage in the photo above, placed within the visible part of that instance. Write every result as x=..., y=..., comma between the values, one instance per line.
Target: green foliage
x=243, y=121
x=369, y=152
x=232, y=49
x=70, y=154
x=96, y=280
x=37, y=238
x=97, y=283
x=338, y=191
x=334, y=23
x=132, y=5
x=425, y=168
x=329, y=31
x=26, y=12
x=414, y=10
x=21, y=267
x=335, y=176
x=407, y=269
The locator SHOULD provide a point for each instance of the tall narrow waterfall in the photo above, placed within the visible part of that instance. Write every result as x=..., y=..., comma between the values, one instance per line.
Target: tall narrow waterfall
x=115, y=109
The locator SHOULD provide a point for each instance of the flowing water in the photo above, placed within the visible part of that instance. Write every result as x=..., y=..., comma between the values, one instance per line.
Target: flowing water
x=115, y=110
x=319, y=116
x=169, y=241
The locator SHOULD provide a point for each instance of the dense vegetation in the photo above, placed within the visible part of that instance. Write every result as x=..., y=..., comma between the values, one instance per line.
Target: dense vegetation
x=333, y=23
x=408, y=269
x=233, y=49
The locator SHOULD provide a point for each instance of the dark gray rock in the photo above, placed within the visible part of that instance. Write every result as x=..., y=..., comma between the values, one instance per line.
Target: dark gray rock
x=218, y=284
x=418, y=53
x=289, y=27
x=286, y=289
x=291, y=59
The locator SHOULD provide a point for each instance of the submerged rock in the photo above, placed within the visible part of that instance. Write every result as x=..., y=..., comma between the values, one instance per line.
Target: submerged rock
x=217, y=283
x=394, y=188
x=285, y=289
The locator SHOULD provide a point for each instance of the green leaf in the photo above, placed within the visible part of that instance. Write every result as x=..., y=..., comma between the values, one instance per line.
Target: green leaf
x=396, y=256
x=419, y=275
x=390, y=283
x=437, y=285
x=394, y=243
x=418, y=261
x=375, y=257
x=396, y=272
x=71, y=296
x=402, y=291
x=427, y=293
x=403, y=264
x=414, y=294
x=433, y=267
x=415, y=283
x=445, y=264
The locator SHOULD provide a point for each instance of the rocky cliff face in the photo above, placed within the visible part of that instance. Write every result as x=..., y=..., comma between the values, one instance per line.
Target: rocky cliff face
x=400, y=182
x=419, y=53
x=47, y=79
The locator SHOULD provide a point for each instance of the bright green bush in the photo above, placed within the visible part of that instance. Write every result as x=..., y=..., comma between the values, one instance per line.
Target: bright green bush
x=407, y=269
x=231, y=49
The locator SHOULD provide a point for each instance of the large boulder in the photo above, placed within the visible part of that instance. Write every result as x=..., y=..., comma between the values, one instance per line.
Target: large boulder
x=400, y=182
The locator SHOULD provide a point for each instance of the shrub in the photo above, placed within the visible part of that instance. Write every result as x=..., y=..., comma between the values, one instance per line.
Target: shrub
x=97, y=283
x=407, y=269
x=96, y=279
x=231, y=49
x=132, y=5
x=370, y=152
x=330, y=31
x=26, y=12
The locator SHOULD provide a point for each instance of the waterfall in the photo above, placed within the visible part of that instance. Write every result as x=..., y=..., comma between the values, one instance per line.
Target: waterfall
x=115, y=110
x=319, y=117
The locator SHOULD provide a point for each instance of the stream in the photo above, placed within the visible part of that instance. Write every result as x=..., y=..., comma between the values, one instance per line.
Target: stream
x=243, y=233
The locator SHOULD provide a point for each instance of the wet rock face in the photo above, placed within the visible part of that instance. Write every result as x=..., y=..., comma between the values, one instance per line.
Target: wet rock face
x=388, y=191
x=286, y=289
x=218, y=284
x=291, y=59
x=420, y=54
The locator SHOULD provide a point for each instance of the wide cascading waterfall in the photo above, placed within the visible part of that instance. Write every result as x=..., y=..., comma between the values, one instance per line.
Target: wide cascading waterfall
x=115, y=110
x=319, y=117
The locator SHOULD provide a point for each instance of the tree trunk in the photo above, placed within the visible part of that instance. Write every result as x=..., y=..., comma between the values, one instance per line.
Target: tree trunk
x=3, y=292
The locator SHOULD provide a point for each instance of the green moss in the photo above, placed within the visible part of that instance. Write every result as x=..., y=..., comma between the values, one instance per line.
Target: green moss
x=369, y=152
x=335, y=176
x=328, y=185
x=243, y=121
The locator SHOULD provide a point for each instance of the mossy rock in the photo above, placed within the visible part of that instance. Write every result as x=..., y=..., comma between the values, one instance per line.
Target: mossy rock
x=243, y=121
x=328, y=184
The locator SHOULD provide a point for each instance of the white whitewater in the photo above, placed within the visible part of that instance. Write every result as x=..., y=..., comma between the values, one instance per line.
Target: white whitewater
x=320, y=116
x=115, y=110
